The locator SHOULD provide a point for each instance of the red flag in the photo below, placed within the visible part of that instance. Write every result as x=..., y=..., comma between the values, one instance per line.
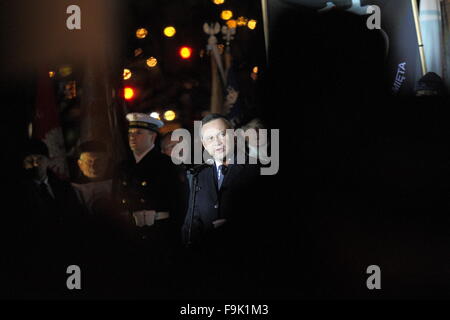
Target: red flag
x=46, y=125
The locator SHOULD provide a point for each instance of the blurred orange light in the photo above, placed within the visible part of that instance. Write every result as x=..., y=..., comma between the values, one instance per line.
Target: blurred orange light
x=226, y=14
x=169, y=31
x=65, y=71
x=185, y=52
x=241, y=21
x=152, y=62
x=169, y=115
x=126, y=74
x=231, y=24
x=128, y=93
x=141, y=33
x=251, y=24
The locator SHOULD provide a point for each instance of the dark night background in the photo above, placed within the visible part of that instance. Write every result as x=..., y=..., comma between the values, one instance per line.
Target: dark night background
x=363, y=177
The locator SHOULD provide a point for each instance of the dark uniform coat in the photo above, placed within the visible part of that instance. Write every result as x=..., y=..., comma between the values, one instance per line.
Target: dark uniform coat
x=152, y=184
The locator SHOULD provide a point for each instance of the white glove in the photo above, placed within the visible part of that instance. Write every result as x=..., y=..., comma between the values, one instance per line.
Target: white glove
x=144, y=217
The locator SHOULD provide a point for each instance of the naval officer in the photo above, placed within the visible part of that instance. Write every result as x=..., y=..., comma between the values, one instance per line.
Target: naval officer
x=149, y=192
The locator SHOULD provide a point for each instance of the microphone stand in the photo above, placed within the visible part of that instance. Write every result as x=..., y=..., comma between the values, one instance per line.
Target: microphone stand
x=193, y=172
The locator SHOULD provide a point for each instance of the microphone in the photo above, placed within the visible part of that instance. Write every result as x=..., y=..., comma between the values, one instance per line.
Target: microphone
x=200, y=167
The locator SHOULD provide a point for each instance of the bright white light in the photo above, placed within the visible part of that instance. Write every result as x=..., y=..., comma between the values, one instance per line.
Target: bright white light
x=155, y=115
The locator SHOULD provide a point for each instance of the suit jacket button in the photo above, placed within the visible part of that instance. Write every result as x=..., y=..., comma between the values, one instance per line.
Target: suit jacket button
x=124, y=183
x=142, y=200
x=216, y=206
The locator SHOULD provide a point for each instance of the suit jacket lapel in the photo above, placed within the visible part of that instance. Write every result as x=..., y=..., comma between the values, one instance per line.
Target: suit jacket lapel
x=233, y=170
x=212, y=181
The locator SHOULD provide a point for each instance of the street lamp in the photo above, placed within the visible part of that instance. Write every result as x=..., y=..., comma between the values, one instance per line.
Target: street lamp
x=241, y=21
x=251, y=24
x=226, y=14
x=152, y=62
x=232, y=24
x=128, y=93
x=185, y=52
x=169, y=115
x=141, y=33
x=127, y=74
x=169, y=31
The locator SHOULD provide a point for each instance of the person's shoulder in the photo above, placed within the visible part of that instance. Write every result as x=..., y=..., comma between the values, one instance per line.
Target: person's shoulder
x=122, y=165
x=164, y=158
x=60, y=184
x=206, y=171
x=166, y=162
x=80, y=179
x=54, y=179
x=93, y=184
x=250, y=166
x=25, y=184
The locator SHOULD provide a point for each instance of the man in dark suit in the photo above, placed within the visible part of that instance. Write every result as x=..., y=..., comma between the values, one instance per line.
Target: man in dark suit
x=51, y=203
x=225, y=227
x=51, y=223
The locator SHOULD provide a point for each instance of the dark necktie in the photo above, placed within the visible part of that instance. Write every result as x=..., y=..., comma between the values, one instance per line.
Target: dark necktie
x=223, y=170
x=45, y=193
